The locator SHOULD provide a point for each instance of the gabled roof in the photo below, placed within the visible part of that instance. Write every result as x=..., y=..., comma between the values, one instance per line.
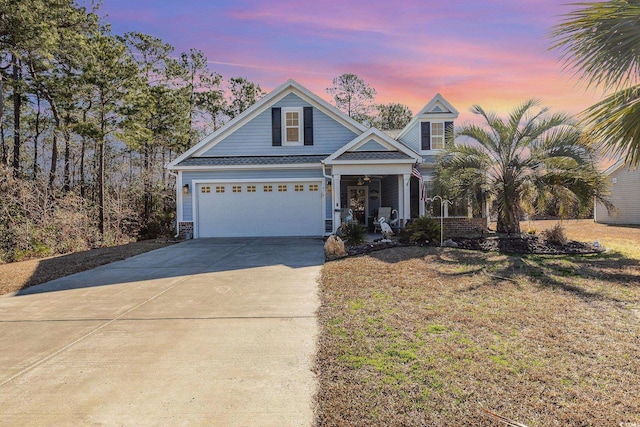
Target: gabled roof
x=437, y=105
x=290, y=86
x=394, y=150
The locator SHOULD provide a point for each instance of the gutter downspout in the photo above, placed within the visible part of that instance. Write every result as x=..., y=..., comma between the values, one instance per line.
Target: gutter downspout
x=324, y=174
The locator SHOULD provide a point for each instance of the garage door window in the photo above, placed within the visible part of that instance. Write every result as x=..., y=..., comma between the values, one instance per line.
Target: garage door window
x=282, y=188
x=251, y=188
x=267, y=188
x=237, y=189
x=299, y=187
x=219, y=188
x=205, y=189
x=313, y=187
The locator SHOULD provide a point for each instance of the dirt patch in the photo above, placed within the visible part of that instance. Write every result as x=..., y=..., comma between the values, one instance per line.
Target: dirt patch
x=19, y=275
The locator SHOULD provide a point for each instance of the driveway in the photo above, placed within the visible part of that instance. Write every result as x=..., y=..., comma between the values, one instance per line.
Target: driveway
x=206, y=332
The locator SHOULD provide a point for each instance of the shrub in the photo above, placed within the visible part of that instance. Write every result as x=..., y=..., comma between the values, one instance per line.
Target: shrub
x=353, y=233
x=555, y=235
x=423, y=230
x=531, y=231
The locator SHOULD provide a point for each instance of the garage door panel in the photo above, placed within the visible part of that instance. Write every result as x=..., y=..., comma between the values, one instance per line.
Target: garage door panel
x=261, y=213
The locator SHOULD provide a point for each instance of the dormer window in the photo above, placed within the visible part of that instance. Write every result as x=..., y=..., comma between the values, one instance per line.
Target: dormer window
x=435, y=135
x=292, y=126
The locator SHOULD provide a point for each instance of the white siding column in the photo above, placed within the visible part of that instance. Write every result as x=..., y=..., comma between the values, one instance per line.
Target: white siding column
x=179, y=184
x=422, y=210
x=335, y=200
x=406, y=185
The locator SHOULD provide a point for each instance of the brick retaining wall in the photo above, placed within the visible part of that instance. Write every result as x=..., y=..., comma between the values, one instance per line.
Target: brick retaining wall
x=460, y=226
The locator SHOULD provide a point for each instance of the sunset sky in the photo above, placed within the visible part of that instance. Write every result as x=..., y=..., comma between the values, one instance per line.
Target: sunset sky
x=494, y=53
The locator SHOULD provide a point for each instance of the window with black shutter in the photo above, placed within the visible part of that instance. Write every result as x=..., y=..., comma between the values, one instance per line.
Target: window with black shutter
x=425, y=135
x=276, y=127
x=308, y=126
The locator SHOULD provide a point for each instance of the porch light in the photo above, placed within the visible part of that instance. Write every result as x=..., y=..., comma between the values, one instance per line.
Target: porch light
x=329, y=187
x=185, y=189
x=366, y=178
x=360, y=181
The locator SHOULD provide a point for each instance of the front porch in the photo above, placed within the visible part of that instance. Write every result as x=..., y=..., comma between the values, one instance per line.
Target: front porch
x=366, y=194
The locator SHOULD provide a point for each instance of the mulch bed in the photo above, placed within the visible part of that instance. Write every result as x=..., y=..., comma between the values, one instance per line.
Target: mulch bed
x=520, y=244
x=526, y=244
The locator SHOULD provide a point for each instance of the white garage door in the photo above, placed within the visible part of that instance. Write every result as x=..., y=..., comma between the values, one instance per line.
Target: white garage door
x=260, y=209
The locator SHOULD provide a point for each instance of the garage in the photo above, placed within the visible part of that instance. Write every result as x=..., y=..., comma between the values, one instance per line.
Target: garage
x=259, y=209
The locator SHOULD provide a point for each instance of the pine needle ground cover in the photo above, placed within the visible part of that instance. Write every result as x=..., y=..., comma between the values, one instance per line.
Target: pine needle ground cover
x=430, y=336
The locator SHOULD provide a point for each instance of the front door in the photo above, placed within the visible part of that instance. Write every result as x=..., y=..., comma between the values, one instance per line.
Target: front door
x=358, y=201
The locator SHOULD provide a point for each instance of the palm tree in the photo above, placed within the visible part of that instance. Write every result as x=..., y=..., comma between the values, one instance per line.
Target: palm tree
x=601, y=42
x=531, y=159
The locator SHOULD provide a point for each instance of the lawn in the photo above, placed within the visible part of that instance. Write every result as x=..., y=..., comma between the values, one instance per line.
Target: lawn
x=430, y=336
x=19, y=275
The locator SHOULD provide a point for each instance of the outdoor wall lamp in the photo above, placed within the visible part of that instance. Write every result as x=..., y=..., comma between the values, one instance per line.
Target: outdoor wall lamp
x=185, y=189
x=329, y=187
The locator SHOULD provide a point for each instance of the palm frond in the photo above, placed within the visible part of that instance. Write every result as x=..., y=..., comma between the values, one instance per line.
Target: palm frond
x=615, y=123
x=601, y=42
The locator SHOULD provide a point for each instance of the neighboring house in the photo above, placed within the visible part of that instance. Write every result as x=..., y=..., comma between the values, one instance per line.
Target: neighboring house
x=625, y=192
x=292, y=164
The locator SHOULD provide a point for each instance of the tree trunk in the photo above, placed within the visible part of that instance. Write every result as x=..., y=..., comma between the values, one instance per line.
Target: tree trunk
x=5, y=150
x=82, y=151
x=146, y=178
x=1, y=99
x=36, y=137
x=509, y=217
x=66, y=177
x=17, y=105
x=101, y=171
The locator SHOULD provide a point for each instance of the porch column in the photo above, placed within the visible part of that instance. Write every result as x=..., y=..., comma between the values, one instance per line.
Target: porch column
x=335, y=201
x=406, y=185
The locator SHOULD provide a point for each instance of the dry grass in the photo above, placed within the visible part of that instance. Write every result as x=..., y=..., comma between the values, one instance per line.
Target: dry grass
x=429, y=336
x=625, y=240
x=19, y=275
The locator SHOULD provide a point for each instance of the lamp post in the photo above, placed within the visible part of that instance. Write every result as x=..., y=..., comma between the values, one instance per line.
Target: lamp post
x=442, y=204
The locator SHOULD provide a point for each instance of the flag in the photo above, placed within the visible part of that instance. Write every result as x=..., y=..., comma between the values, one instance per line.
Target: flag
x=415, y=171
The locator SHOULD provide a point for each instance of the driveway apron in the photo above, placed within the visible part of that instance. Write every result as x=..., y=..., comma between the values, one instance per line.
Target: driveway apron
x=205, y=332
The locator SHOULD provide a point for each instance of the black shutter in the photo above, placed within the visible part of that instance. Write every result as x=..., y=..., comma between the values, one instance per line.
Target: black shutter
x=276, y=127
x=425, y=135
x=308, y=126
x=448, y=134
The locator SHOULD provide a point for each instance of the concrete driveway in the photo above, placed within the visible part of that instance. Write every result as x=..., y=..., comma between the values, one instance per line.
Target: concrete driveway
x=206, y=332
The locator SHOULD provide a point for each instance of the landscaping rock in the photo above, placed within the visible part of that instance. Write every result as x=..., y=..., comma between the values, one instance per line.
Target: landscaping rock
x=449, y=244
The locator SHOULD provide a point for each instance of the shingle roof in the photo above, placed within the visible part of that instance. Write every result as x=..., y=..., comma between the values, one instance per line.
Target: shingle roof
x=251, y=160
x=431, y=158
x=373, y=155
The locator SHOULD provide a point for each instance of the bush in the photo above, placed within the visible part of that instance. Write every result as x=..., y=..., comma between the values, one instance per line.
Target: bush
x=555, y=235
x=353, y=233
x=423, y=230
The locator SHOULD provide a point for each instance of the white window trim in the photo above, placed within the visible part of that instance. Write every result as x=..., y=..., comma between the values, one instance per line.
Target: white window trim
x=300, y=140
x=432, y=150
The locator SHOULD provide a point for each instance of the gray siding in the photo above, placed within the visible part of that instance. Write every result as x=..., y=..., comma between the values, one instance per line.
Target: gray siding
x=389, y=191
x=371, y=145
x=625, y=197
x=254, y=138
x=412, y=138
x=189, y=176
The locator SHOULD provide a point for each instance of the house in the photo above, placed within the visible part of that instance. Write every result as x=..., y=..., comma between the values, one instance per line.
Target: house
x=625, y=188
x=293, y=164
